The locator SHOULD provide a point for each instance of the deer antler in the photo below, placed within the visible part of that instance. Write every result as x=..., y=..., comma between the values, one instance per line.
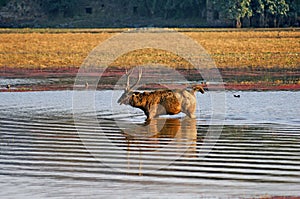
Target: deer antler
x=128, y=74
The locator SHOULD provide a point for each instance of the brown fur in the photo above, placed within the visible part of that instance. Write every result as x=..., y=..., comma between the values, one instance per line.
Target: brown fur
x=161, y=102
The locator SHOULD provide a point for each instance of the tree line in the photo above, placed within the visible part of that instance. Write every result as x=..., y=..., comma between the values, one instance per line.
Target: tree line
x=260, y=13
x=266, y=13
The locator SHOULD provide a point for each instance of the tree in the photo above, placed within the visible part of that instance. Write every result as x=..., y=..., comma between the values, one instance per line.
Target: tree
x=3, y=3
x=234, y=9
x=276, y=9
x=294, y=11
x=181, y=8
x=258, y=9
x=272, y=10
x=54, y=7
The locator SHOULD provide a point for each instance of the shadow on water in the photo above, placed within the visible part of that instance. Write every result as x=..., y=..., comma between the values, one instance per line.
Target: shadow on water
x=41, y=149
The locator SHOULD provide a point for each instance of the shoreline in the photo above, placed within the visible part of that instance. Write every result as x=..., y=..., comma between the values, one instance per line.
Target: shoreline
x=64, y=80
x=227, y=87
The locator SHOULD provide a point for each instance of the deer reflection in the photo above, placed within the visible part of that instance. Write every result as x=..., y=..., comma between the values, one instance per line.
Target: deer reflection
x=174, y=135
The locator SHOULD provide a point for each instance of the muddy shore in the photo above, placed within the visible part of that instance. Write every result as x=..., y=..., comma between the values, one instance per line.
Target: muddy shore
x=63, y=79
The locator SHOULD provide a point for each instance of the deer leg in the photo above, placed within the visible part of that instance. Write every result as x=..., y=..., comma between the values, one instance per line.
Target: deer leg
x=151, y=113
x=191, y=115
x=190, y=111
x=147, y=113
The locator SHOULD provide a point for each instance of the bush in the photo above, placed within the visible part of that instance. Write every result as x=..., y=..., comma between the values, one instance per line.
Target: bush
x=3, y=2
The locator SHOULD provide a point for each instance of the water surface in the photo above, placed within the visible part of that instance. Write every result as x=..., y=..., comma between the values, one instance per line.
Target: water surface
x=44, y=153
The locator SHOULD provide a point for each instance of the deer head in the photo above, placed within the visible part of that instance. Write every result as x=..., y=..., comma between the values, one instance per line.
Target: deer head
x=128, y=91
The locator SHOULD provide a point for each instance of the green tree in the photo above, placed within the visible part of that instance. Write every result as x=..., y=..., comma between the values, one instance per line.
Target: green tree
x=153, y=7
x=258, y=9
x=3, y=3
x=234, y=9
x=54, y=7
x=182, y=8
x=276, y=9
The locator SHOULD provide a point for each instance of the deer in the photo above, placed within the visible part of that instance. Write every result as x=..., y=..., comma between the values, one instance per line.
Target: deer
x=160, y=102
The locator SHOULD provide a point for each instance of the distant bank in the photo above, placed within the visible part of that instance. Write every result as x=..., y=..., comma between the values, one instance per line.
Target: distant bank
x=246, y=58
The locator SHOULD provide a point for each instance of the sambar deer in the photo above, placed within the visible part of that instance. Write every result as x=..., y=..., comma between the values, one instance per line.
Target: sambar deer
x=160, y=102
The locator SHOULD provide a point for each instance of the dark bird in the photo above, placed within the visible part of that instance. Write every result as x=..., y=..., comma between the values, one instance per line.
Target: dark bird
x=238, y=96
x=8, y=86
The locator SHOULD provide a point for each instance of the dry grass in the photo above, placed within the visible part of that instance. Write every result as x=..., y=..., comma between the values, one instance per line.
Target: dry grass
x=152, y=57
x=47, y=50
x=264, y=49
x=257, y=49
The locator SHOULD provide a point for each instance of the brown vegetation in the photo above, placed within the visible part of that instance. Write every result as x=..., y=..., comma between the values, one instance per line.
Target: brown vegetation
x=236, y=49
x=46, y=50
x=265, y=49
x=259, y=59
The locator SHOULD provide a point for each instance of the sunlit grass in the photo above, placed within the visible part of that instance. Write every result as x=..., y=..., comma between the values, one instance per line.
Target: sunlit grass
x=47, y=50
x=256, y=49
x=68, y=48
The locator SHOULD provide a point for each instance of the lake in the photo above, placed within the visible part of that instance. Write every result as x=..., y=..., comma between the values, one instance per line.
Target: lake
x=49, y=148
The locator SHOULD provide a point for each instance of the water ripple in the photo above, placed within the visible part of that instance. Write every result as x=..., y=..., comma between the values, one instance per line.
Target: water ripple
x=46, y=146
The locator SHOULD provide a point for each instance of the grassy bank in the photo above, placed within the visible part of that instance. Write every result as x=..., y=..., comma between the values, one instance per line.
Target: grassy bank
x=40, y=48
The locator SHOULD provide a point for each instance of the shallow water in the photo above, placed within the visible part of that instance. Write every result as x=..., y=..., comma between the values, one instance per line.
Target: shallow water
x=46, y=151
